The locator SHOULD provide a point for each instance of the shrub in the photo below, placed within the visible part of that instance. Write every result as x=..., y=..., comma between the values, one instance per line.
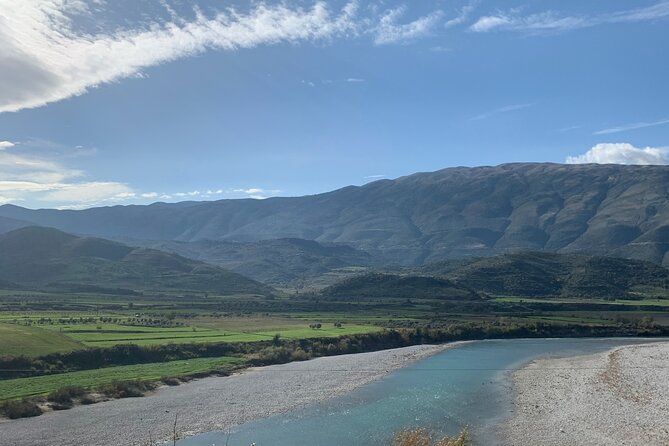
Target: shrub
x=20, y=409
x=127, y=389
x=66, y=395
x=423, y=437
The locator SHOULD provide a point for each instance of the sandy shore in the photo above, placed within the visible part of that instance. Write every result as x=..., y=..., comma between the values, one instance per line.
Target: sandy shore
x=214, y=403
x=620, y=397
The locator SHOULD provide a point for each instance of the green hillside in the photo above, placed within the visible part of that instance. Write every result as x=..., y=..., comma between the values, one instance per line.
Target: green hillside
x=546, y=274
x=390, y=285
x=48, y=259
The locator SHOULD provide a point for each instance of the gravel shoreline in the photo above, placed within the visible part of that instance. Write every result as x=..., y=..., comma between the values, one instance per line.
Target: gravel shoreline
x=213, y=403
x=619, y=397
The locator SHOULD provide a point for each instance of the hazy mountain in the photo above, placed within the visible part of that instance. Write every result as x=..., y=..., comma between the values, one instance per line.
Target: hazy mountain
x=452, y=213
x=376, y=285
x=46, y=258
x=281, y=262
x=540, y=274
x=9, y=224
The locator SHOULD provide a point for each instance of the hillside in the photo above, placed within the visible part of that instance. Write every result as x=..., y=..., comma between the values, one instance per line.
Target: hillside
x=377, y=285
x=618, y=210
x=536, y=274
x=281, y=262
x=46, y=258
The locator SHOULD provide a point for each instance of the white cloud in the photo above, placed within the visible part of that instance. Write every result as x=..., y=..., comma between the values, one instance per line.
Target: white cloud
x=620, y=153
x=389, y=31
x=506, y=109
x=551, y=21
x=44, y=59
x=355, y=79
x=6, y=145
x=440, y=49
x=37, y=177
x=633, y=126
x=257, y=192
x=462, y=17
x=149, y=195
x=374, y=177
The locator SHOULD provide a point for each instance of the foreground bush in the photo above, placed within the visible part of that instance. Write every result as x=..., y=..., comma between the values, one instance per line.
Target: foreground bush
x=127, y=389
x=66, y=395
x=19, y=409
x=423, y=437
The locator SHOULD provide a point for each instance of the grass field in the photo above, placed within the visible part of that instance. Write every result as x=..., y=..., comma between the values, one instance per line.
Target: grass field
x=110, y=335
x=39, y=339
x=643, y=302
x=18, y=340
x=42, y=385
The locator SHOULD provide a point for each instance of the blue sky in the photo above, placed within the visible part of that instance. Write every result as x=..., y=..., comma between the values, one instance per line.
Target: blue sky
x=125, y=102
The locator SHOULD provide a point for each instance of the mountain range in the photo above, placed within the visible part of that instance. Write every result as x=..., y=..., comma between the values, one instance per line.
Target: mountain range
x=611, y=210
x=39, y=258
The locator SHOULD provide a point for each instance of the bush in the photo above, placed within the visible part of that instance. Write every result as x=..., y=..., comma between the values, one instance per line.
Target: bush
x=127, y=389
x=422, y=437
x=66, y=395
x=20, y=409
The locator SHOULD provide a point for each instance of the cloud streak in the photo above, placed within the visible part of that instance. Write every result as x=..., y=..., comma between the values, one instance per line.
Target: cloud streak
x=551, y=21
x=620, y=153
x=390, y=31
x=633, y=126
x=497, y=111
x=44, y=59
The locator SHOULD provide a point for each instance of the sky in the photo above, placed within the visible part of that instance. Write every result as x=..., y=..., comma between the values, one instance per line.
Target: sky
x=122, y=102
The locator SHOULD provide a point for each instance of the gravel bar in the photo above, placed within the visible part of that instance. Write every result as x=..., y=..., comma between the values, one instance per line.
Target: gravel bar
x=620, y=397
x=213, y=403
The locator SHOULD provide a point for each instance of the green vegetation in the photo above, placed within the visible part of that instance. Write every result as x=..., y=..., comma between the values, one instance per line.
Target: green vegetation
x=38, y=258
x=18, y=340
x=93, y=379
x=423, y=437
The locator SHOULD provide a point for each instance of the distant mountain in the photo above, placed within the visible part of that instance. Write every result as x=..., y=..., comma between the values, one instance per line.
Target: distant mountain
x=540, y=274
x=46, y=258
x=280, y=262
x=9, y=224
x=452, y=213
x=375, y=285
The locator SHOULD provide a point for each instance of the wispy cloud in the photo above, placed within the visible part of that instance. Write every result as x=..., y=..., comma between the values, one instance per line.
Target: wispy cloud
x=440, y=49
x=462, y=16
x=620, y=153
x=257, y=192
x=374, y=177
x=41, y=177
x=551, y=21
x=390, y=31
x=633, y=126
x=6, y=145
x=497, y=111
x=44, y=59
x=355, y=79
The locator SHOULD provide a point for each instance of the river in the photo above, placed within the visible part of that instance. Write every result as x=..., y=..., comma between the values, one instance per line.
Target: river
x=467, y=386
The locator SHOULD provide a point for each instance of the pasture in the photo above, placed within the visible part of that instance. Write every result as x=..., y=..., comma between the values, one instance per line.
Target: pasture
x=91, y=379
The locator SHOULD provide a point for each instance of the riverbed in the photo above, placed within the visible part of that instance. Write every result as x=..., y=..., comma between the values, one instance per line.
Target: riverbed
x=466, y=387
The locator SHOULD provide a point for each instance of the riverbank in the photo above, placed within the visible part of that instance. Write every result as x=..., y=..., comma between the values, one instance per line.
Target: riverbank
x=619, y=397
x=214, y=403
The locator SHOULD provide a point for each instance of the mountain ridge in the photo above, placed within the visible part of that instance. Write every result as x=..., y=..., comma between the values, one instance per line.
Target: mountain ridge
x=458, y=212
x=42, y=258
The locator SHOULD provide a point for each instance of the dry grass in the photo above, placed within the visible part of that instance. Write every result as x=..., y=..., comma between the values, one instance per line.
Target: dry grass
x=423, y=437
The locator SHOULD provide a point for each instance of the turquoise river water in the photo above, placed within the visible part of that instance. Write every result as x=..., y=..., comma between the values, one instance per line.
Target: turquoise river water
x=464, y=386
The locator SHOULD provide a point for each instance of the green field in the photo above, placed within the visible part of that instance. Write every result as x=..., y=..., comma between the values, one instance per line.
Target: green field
x=18, y=340
x=38, y=339
x=89, y=379
x=114, y=335
x=641, y=302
